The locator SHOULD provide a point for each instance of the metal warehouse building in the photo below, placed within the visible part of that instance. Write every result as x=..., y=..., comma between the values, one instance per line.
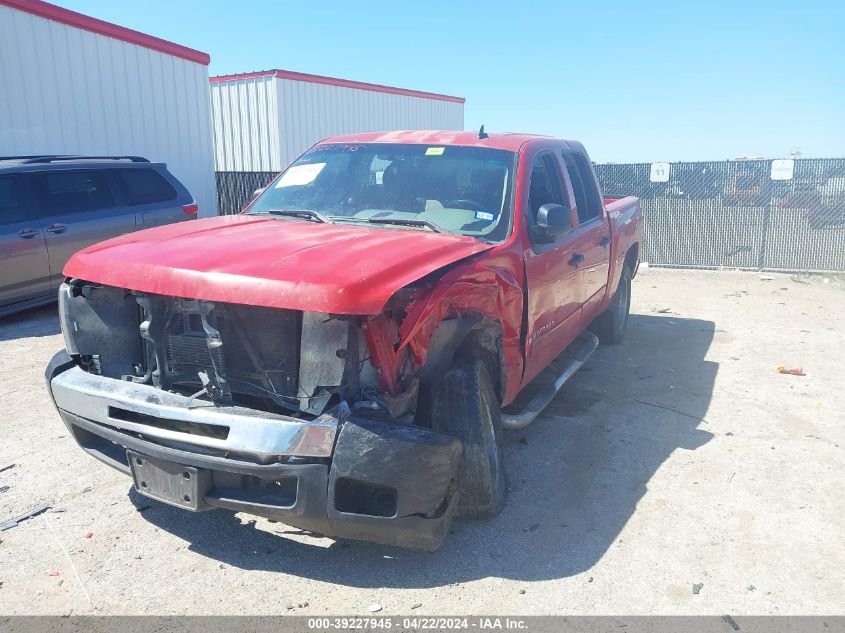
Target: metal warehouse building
x=72, y=84
x=264, y=120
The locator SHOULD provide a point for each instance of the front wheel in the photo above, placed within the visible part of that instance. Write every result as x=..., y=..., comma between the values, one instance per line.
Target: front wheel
x=465, y=404
x=612, y=324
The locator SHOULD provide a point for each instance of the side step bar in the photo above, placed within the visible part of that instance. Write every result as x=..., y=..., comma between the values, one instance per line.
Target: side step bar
x=575, y=355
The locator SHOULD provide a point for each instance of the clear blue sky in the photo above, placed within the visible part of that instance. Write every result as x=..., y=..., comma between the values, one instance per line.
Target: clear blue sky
x=635, y=81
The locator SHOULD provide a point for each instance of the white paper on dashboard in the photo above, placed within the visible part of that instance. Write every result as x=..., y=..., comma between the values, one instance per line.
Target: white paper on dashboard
x=300, y=175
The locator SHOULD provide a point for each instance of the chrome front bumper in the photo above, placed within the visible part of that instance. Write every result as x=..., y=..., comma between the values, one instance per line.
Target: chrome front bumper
x=362, y=479
x=143, y=409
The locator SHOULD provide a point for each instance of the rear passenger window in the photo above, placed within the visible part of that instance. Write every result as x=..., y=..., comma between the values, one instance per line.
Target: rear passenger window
x=12, y=210
x=585, y=192
x=61, y=192
x=143, y=186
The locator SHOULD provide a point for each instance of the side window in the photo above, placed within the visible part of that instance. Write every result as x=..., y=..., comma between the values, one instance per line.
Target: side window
x=586, y=195
x=12, y=210
x=143, y=186
x=61, y=192
x=545, y=185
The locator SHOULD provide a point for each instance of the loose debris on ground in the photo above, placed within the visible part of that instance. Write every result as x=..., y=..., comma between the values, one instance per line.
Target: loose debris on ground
x=792, y=371
x=15, y=521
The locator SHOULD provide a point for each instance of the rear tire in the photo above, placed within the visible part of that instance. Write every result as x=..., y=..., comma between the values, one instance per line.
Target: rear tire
x=465, y=404
x=612, y=324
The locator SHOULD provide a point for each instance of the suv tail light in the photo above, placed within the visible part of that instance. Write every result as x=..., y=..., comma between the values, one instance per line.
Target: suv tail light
x=190, y=209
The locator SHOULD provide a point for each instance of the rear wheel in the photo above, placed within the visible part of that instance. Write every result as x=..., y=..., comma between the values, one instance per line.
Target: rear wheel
x=612, y=324
x=465, y=404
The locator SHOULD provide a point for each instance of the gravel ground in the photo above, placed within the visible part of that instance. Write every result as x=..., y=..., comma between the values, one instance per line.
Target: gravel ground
x=679, y=458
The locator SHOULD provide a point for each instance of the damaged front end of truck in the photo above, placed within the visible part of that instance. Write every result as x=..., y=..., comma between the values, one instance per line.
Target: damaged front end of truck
x=312, y=419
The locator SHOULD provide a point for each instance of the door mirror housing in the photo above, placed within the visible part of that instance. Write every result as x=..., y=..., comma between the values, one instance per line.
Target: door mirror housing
x=258, y=192
x=553, y=221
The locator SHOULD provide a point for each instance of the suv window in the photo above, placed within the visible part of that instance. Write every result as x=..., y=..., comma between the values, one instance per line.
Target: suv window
x=545, y=185
x=586, y=196
x=61, y=192
x=12, y=210
x=143, y=186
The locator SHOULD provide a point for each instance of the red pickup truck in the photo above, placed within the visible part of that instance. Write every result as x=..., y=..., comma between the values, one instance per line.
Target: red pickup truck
x=340, y=356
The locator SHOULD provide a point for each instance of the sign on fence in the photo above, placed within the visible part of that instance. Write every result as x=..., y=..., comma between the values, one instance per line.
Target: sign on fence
x=782, y=169
x=659, y=172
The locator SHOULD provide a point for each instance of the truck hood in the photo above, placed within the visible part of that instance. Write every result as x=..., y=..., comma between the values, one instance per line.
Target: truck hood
x=273, y=262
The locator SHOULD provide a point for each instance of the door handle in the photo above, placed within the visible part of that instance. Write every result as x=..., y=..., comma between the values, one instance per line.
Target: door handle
x=576, y=259
x=605, y=241
x=27, y=234
x=57, y=228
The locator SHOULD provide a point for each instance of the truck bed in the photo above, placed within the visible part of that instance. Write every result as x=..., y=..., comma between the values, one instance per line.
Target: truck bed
x=616, y=204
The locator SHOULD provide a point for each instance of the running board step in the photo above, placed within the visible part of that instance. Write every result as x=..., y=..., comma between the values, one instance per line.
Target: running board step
x=574, y=356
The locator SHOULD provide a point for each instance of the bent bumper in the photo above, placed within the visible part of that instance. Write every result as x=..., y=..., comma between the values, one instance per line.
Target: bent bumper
x=381, y=482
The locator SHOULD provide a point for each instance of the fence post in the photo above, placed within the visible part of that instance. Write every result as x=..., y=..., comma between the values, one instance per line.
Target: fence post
x=764, y=236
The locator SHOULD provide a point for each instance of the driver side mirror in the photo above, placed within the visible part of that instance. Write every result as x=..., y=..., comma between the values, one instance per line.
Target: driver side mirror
x=258, y=192
x=553, y=221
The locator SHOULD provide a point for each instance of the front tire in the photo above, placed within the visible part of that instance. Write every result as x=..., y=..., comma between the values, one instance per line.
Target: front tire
x=465, y=404
x=612, y=324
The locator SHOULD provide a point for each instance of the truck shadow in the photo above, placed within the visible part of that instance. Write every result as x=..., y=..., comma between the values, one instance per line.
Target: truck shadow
x=577, y=475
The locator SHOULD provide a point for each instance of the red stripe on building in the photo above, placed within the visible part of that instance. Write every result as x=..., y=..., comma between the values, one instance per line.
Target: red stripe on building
x=101, y=27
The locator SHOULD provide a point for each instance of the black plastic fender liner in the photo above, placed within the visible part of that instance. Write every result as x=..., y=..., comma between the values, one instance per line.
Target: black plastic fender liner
x=418, y=465
x=445, y=341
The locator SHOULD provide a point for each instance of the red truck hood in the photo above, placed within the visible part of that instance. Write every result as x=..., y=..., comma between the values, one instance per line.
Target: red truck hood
x=272, y=262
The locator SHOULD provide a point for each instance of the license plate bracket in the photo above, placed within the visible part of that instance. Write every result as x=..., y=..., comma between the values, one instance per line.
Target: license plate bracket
x=169, y=482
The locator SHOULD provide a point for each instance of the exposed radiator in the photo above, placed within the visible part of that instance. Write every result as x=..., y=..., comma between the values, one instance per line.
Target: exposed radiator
x=260, y=345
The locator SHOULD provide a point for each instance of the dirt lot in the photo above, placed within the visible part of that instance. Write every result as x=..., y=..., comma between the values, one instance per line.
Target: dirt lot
x=681, y=457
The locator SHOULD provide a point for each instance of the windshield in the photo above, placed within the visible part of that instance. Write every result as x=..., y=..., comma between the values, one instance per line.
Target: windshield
x=463, y=190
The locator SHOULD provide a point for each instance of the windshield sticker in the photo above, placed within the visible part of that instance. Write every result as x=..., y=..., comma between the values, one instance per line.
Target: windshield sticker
x=434, y=151
x=300, y=175
x=335, y=148
x=489, y=216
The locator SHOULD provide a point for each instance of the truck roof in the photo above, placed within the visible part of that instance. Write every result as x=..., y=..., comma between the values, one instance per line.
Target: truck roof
x=510, y=141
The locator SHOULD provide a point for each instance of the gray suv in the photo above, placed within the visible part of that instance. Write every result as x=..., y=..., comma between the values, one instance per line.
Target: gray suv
x=52, y=206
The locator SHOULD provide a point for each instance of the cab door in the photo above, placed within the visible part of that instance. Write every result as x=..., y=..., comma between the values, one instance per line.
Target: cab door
x=24, y=268
x=77, y=209
x=551, y=270
x=593, y=233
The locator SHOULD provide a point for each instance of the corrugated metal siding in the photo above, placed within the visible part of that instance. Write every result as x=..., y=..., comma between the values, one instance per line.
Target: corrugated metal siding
x=246, y=132
x=263, y=123
x=310, y=112
x=64, y=90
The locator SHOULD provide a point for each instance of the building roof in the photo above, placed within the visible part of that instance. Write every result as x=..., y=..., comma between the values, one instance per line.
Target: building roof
x=87, y=23
x=507, y=141
x=334, y=81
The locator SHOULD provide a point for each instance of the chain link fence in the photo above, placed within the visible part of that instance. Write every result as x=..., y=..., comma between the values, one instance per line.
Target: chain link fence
x=755, y=214
x=236, y=188
x=758, y=214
